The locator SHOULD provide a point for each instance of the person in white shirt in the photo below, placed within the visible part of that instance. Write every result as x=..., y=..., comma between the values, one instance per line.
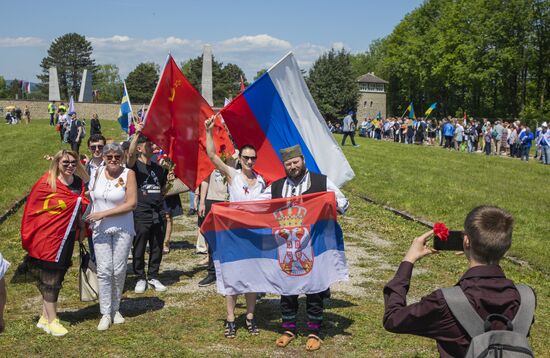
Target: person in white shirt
x=113, y=191
x=243, y=185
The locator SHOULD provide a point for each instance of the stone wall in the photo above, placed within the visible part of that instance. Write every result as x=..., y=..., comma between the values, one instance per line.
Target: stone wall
x=39, y=109
x=369, y=104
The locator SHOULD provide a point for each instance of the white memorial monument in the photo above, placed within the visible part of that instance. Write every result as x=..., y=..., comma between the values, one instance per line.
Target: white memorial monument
x=53, y=89
x=206, y=83
x=86, y=94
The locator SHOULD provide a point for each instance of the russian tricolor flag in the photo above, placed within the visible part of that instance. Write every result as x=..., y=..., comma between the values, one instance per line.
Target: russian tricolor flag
x=286, y=246
x=277, y=111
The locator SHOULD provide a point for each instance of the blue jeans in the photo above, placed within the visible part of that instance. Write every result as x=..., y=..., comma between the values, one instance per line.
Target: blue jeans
x=525, y=152
x=545, y=154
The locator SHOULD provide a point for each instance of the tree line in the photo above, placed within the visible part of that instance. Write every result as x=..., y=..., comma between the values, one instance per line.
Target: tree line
x=490, y=58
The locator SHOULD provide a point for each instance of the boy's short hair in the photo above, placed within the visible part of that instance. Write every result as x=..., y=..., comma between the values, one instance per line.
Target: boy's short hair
x=490, y=231
x=96, y=138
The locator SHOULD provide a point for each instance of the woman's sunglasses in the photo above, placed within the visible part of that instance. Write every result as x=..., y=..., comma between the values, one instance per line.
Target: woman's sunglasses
x=67, y=163
x=113, y=157
x=247, y=158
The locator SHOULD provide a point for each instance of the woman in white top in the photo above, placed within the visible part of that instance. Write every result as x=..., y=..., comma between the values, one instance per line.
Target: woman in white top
x=243, y=185
x=114, y=197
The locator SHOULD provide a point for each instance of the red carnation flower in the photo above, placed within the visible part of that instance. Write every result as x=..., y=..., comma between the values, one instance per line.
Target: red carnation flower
x=441, y=231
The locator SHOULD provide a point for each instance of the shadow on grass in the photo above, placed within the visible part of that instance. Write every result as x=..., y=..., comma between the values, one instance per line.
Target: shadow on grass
x=268, y=316
x=129, y=307
x=181, y=245
x=168, y=277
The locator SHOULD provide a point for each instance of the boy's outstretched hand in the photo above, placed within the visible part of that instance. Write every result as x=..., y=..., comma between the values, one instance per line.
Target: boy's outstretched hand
x=419, y=248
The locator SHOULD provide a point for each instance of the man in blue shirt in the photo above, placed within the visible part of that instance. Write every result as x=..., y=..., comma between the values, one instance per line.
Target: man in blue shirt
x=448, y=133
x=525, y=139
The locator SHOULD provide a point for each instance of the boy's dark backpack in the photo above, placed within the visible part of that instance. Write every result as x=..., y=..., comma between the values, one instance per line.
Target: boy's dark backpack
x=511, y=342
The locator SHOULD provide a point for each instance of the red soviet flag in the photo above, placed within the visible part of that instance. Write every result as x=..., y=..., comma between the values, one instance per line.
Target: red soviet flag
x=175, y=122
x=48, y=218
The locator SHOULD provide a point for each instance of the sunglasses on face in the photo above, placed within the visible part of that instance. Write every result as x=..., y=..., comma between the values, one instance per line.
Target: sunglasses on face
x=247, y=158
x=67, y=163
x=113, y=157
x=96, y=147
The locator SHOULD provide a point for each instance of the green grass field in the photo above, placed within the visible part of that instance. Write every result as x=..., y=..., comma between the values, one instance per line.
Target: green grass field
x=187, y=320
x=439, y=185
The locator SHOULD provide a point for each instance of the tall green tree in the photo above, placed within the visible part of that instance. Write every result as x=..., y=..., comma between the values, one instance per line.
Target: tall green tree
x=333, y=85
x=487, y=57
x=14, y=89
x=225, y=79
x=71, y=54
x=107, y=80
x=3, y=90
x=142, y=81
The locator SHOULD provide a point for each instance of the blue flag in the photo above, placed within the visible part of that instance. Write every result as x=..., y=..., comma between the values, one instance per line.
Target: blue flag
x=125, y=111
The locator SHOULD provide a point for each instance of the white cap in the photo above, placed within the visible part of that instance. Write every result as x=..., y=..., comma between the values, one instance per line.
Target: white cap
x=544, y=124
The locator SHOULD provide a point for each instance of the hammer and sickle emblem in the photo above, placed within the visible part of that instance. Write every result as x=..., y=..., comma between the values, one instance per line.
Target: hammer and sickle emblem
x=56, y=209
x=173, y=95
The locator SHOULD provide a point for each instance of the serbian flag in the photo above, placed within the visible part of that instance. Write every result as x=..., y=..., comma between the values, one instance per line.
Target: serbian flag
x=48, y=218
x=277, y=111
x=284, y=246
x=175, y=122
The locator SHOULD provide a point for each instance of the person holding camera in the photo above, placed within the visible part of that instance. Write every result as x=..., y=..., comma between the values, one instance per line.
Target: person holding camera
x=485, y=290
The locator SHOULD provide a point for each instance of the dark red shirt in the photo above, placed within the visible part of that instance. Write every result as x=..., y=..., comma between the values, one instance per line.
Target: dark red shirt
x=486, y=287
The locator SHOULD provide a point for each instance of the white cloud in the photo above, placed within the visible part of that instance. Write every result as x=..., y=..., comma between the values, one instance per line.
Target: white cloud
x=250, y=52
x=21, y=42
x=251, y=43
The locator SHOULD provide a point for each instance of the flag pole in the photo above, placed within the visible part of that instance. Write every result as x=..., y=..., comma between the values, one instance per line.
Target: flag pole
x=168, y=57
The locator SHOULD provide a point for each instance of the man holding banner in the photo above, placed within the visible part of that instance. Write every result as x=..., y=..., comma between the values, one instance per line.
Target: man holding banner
x=300, y=181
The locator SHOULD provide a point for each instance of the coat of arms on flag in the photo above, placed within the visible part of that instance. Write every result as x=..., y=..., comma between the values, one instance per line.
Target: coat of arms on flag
x=295, y=253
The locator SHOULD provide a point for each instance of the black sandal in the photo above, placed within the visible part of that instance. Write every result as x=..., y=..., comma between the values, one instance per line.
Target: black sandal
x=230, y=329
x=252, y=327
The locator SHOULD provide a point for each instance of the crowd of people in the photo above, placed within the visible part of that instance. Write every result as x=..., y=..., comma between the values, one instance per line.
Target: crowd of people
x=117, y=202
x=14, y=115
x=507, y=138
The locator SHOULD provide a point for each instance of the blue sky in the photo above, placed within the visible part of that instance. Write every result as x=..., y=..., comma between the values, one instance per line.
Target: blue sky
x=251, y=34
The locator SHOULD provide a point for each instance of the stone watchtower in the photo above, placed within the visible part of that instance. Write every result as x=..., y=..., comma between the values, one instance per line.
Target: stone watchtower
x=372, y=96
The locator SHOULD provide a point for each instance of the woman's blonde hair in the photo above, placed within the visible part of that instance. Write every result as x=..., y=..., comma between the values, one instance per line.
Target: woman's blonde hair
x=53, y=172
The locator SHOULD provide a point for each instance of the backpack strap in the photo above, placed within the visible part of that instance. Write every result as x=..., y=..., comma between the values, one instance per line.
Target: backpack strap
x=524, y=316
x=463, y=311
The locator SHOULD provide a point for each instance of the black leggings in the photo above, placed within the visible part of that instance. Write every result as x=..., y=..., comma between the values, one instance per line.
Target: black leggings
x=50, y=282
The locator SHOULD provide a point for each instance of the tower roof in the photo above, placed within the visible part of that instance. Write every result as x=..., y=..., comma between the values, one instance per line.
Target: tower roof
x=371, y=78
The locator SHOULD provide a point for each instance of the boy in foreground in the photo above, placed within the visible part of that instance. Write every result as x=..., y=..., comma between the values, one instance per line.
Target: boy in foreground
x=487, y=237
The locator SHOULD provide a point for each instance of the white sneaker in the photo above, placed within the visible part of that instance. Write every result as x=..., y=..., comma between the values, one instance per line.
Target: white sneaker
x=141, y=286
x=118, y=319
x=159, y=287
x=104, y=323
